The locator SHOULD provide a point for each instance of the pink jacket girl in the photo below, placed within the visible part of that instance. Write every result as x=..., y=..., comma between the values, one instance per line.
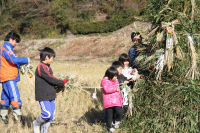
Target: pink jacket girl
x=112, y=99
x=111, y=94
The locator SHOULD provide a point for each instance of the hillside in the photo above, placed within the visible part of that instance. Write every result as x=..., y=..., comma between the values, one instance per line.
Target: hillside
x=84, y=47
x=52, y=18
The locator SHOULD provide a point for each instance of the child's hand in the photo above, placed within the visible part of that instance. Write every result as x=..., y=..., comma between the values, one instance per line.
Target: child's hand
x=133, y=79
x=126, y=82
x=134, y=70
x=118, y=89
x=66, y=80
x=141, y=76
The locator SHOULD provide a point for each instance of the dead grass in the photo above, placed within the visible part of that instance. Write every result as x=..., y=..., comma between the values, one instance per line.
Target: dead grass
x=76, y=111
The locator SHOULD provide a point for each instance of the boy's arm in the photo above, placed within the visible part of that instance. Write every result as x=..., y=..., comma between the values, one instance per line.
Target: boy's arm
x=10, y=57
x=46, y=75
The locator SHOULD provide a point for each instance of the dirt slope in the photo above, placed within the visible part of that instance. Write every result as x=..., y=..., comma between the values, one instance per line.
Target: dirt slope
x=84, y=47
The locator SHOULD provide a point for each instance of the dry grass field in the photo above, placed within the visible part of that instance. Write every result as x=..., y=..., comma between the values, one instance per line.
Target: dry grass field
x=76, y=110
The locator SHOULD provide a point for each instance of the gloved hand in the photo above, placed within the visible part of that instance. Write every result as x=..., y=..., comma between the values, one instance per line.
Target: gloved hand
x=59, y=88
x=66, y=80
x=29, y=66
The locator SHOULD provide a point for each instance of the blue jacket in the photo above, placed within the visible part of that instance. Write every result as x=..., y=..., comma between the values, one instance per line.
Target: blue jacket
x=132, y=54
x=14, y=59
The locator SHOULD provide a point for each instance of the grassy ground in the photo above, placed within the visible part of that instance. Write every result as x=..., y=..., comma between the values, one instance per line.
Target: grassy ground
x=76, y=111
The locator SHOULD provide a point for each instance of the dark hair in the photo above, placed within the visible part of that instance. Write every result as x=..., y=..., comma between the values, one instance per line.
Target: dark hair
x=124, y=57
x=133, y=34
x=111, y=72
x=46, y=52
x=117, y=64
x=12, y=35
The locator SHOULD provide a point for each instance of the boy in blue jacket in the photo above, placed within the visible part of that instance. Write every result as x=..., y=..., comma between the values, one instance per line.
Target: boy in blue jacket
x=9, y=76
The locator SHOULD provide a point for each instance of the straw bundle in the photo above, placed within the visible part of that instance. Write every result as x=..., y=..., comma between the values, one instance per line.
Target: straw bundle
x=193, y=72
x=130, y=105
x=131, y=95
x=71, y=84
x=179, y=53
x=26, y=70
x=160, y=36
x=155, y=55
x=159, y=67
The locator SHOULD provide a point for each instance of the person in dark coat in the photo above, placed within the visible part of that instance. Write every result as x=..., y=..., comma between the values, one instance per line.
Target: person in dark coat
x=133, y=52
x=45, y=90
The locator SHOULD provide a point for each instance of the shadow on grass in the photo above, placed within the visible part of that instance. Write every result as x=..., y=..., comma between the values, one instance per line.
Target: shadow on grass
x=27, y=120
x=96, y=114
x=93, y=116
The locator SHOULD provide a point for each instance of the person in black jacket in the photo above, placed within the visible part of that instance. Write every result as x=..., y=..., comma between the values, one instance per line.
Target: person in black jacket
x=122, y=80
x=45, y=90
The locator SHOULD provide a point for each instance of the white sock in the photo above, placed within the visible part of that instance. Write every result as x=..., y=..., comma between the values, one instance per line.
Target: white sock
x=45, y=127
x=39, y=121
x=3, y=112
x=17, y=113
x=36, y=124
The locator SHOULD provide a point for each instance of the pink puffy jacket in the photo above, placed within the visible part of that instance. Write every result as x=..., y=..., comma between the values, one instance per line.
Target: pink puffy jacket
x=111, y=97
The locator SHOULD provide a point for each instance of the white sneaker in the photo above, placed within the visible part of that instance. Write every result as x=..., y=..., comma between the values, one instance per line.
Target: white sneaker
x=36, y=128
x=117, y=124
x=111, y=130
x=113, y=124
x=45, y=127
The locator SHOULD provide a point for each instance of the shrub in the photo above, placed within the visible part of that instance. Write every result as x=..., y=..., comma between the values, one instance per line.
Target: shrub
x=101, y=26
x=165, y=108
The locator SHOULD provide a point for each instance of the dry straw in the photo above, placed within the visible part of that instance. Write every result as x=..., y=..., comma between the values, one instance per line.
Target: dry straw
x=159, y=67
x=171, y=42
x=179, y=53
x=193, y=72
